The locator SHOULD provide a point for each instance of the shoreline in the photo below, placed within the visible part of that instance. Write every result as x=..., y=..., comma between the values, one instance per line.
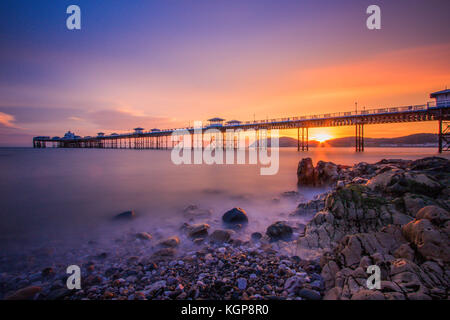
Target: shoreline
x=369, y=216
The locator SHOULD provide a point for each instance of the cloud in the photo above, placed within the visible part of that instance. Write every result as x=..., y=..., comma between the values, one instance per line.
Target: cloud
x=7, y=120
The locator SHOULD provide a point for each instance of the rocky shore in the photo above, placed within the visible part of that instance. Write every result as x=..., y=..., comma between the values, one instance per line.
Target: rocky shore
x=393, y=214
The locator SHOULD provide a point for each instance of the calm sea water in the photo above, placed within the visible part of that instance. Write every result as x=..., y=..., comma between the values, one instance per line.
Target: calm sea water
x=61, y=195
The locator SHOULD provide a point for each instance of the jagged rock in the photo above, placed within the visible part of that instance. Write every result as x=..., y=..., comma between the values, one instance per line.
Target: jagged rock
x=235, y=216
x=438, y=216
x=326, y=172
x=305, y=172
x=310, y=207
x=398, y=220
x=279, y=230
x=431, y=242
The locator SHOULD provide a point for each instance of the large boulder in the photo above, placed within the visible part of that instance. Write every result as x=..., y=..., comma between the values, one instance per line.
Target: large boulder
x=326, y=172
x=424, y=233
x=235, y=216
x=306, y=173
x=279, y=230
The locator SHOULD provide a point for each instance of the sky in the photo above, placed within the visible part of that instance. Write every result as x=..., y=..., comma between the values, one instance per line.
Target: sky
x=164, y=64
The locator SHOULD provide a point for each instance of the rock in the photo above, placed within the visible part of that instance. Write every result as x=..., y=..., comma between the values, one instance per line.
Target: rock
x=279, y=230
x=171, y=242
x=27, y=293
x=310, y=208
x=48, y=272
x=198, y=230
x=193, y=212
x=143, y=236
x=430, y=242
x=290, y=194
x=436, y=215
x=153, y=288
x=404, y=251
x=164, y=253
x=294, y=284
x=235, y=216
x=309, y=294
x=220, y=236
x=326, y=172
x=58, y=294
x=127, y=215
x=367, y=294
x=256, y=236
x=242, y=283
x=306, y=174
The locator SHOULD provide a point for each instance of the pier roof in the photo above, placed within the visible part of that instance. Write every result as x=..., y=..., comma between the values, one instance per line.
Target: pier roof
x=434, y=94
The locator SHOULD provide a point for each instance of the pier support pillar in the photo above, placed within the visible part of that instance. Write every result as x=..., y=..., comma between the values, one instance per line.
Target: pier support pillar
x=444, y=135
x=304, y=139
x=359, y=137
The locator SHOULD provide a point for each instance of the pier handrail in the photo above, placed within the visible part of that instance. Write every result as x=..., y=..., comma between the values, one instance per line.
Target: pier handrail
x=344, y=114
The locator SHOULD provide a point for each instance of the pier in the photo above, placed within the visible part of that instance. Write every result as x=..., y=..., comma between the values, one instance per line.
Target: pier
x=438, y=110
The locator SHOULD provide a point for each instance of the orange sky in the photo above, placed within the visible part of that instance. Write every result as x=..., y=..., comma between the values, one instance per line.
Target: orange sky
x=165, y=65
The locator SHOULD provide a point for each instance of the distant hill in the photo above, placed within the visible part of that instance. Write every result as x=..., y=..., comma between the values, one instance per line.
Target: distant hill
x=413, y=140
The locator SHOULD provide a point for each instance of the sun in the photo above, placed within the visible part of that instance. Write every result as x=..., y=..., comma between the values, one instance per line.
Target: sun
x=321, y=137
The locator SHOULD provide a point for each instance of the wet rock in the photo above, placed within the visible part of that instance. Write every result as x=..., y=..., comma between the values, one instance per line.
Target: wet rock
x=143, y=236
x=198, y=230
x=325, y=173
x=127, y=215
x=279, y=230
x=256, y=236
x=235, y=216
x=164, y=253
x=431, y=242
x=220, y=236
x=27, y=293
x=306, y=173
x=58, y=294
x=242, y=283
x=193, y=212
x=309, y=294
x=48, y=272
x=170, y=242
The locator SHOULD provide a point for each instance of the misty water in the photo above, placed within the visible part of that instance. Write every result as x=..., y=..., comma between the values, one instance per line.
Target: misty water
x=65, y=196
